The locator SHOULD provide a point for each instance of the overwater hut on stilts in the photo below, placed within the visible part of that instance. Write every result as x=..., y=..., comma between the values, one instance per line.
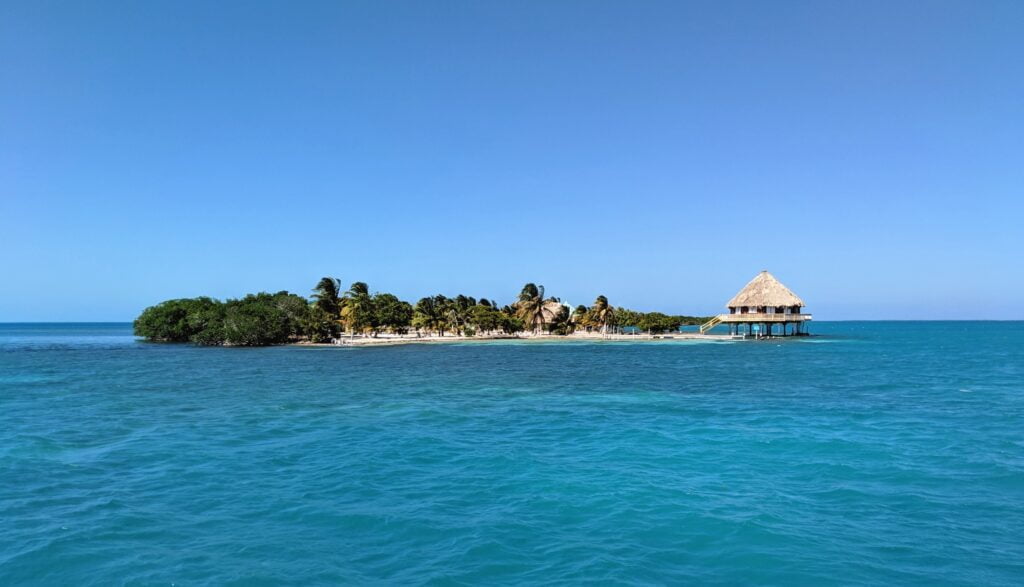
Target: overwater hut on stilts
x=764, y=307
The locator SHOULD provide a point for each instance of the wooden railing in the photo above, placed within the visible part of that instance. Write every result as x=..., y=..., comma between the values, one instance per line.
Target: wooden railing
x=764, y=317
x=710, y=324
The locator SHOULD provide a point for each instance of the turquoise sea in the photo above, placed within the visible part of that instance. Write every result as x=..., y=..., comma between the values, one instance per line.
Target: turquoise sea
x=877, y=453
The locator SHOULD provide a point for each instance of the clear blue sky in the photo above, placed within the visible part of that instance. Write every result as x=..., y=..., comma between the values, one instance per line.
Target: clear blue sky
x=870, y=154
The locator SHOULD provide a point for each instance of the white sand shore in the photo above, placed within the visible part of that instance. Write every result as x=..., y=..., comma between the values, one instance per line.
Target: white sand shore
x=396, y=339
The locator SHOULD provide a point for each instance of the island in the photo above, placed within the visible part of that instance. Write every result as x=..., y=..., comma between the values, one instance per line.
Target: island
x=356, y=316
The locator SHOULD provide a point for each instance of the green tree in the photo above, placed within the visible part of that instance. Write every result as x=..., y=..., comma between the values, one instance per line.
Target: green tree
x=357, y=312
x=692, y=320
x=296, y=312
x=392, y=313
x=511, y=324
x=458, y=311
x=198, y=320
x=164, y=322
x=256, y=320
x=656, y=322
x=627, y=317
x=206, y=321
x=485, y=318
x=602, y=314
x=581, y=317
x=320, y=326
x=327, y=296
x=430, y=314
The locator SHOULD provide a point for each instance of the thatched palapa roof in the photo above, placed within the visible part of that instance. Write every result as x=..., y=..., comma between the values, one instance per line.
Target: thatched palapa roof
x=765, y=290
x=552, y=307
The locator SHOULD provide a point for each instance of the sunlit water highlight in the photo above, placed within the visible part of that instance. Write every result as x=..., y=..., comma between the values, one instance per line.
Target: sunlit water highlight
x=880, y=453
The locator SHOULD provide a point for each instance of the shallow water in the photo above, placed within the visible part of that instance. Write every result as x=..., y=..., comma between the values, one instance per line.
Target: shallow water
x=878, y=453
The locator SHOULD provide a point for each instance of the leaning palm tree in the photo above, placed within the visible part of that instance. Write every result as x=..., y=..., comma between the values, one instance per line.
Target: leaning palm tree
x=602, y=313
x=327, y=295
x=358, y=289
x=579, y=317
x=533, y=309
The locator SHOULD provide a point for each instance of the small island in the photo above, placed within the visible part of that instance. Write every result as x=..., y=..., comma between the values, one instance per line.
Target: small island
x=357, y=316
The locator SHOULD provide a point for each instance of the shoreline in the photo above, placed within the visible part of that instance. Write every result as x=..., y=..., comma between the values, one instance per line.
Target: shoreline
x=395, y=340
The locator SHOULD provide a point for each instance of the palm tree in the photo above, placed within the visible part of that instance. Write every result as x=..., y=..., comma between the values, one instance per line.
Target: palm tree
x=432, y=314
x=579, y=316
x=326, y=294
x=602, y=313
x=358, y=288
x=425, y=315
x=357, y=307
x=533, y=309
x=459, y=312
x=562, y=323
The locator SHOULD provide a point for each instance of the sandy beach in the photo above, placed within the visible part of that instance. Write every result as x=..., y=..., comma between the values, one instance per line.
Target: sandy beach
x=396, y=339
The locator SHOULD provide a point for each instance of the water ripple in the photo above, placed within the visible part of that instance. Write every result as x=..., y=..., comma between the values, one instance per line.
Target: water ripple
x=858, y=462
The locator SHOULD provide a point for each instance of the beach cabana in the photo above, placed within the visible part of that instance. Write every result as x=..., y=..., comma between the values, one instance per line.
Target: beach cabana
x=764, y=307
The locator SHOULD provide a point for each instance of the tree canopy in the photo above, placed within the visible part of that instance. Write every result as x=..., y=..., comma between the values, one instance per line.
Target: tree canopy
x=255, y=320
x=265, y=319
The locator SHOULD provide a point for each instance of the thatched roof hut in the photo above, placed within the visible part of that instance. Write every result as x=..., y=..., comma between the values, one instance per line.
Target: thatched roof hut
x=552, y=308
x=763, y=307
x=765, y=291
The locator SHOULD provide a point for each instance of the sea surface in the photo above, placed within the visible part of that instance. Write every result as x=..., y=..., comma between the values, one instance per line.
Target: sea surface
x=877, y=453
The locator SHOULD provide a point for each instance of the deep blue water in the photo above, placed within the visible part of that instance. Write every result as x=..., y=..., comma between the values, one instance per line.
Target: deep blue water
x=880, y=453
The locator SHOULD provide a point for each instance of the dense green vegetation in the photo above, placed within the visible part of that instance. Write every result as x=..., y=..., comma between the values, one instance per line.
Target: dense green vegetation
x=266, y=319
